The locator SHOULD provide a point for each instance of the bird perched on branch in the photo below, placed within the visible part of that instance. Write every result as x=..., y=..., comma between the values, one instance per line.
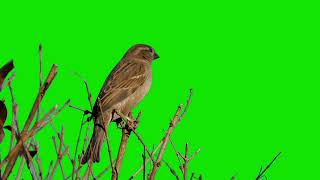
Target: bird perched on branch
x=124, y=88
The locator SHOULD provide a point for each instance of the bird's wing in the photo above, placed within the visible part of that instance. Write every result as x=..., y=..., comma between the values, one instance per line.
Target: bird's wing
x=123, y=81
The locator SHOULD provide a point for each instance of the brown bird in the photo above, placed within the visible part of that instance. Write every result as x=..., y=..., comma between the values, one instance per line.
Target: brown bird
x=124, y=88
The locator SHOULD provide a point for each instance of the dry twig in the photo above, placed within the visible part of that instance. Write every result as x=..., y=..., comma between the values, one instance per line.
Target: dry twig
x=13, y=155
x=262, y=172
x=59, y=153
x=176, y=119
x=114, y=171
x=143, y=165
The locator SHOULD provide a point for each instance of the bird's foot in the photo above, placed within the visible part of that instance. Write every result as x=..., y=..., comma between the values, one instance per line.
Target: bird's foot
x=122, y=124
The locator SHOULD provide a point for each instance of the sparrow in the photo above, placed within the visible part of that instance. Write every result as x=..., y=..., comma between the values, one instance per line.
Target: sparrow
x=124, y=88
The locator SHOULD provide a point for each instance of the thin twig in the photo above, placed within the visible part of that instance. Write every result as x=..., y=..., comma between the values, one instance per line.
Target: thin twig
x=192, y=176
x=76, y=151
x=143, y=165
x=30, y=162
x=121, y=152
x=43, y=90
x=15, y=128
x=194, y=154
x=86, y=139
x=144, y=145
x=262, y=172
x=178, y=154
x=172, y=125
x=88, y=89
x=49, y=170
x=88, y=171
x=187, y=106
x=20, y=168
x=40, y=79
x=105, y=170
x=173, y=172
x=186, y=163
x=39, y=166
x=59, y=153
x=107, y=139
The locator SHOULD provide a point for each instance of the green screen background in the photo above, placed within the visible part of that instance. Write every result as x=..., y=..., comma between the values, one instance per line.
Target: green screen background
x=253, y=67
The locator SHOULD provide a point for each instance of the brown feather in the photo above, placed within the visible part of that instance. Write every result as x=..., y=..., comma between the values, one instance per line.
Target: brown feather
x=124, y=88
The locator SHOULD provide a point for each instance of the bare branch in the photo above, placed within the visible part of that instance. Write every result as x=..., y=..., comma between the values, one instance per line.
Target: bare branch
x=164, y=145
x=88, y=171
x=105, y=170
x=114, y=171
x=20, y=168
x=194, y=154
x=176, y=119
x=262, y=172
x=178, y=154
x=144, y=145
x=15, y=128
x=40, y=79
x=186, y=163
x=76, y=151
x=173, y=172
x=122, y=149
x=88, y=90
x=43, y=90
x=143, y=165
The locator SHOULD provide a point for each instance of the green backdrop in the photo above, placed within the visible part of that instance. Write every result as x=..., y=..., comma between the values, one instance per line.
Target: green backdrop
x=253, y=66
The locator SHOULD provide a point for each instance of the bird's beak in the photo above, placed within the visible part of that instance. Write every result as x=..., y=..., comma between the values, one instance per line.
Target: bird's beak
x=155, y=56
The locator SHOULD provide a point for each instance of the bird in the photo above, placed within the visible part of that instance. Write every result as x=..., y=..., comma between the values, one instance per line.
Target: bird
x=126, y=85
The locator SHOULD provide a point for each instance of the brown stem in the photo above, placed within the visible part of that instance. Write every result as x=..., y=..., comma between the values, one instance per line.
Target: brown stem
x=121, y=152
x=39, y=167
x=43, y=90
x=107, y=138
x=176, y=119
x=15, y=128
x=88, y=171
x=49, y=170
x=172, y=125
x=186, y=163
x=59, y=152
x=20, y=168
x=30, y=164
x=144, y=145
x=13, y=155
x=178, y=154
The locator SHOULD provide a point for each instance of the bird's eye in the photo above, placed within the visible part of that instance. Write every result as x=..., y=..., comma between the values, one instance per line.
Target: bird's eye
x=150, y=49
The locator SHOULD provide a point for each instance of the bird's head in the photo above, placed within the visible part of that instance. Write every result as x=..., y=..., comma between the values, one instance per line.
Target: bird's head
x=142, y=51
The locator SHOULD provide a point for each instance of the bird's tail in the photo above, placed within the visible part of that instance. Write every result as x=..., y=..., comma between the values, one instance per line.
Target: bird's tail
x=94, y=148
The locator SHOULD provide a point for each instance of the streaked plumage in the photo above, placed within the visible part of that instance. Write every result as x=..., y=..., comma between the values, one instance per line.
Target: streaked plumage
x=124, y=88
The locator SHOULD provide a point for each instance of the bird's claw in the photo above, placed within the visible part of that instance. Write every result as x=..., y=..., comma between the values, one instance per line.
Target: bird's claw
x=122, y=124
